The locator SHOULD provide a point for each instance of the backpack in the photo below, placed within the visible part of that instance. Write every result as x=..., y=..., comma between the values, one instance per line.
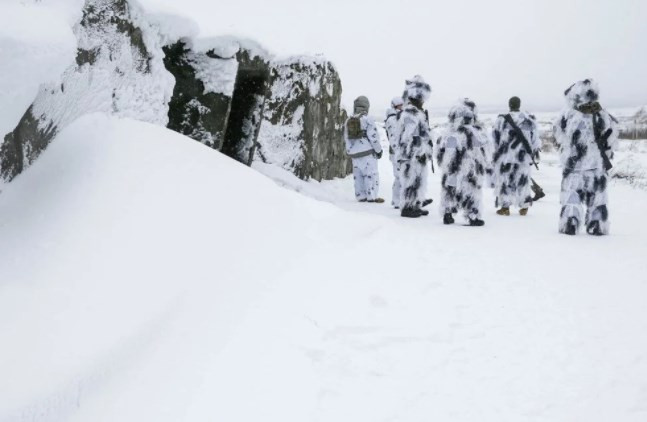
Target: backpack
x=354, y=128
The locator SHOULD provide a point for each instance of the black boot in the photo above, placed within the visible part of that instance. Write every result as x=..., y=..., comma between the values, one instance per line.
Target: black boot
x=538, y=195
x=594, y=229
x=571, y=227
x=476, y=222
x=423, y=212
x=427, y=202
x=410, y=213
x=537, y=190
x=448, y=219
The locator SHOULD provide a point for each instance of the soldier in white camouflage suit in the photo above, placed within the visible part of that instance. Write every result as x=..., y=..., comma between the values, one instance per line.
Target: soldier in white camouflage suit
x=391, y=126
x=414, y=148
x=587, y=137
x=363, y=147
x=516, y=145
x=462, y=157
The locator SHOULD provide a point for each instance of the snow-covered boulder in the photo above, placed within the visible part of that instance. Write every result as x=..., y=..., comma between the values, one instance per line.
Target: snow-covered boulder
x=118, y=69
x=219, y=93
x=36, y=46
x=303, y=120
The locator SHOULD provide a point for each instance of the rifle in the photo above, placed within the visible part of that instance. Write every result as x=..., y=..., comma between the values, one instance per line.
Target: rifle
x=602, y=141
x=521, y=138
x=433, y=169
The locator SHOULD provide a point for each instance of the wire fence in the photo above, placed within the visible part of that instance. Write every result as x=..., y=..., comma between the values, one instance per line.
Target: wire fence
x=633, y=130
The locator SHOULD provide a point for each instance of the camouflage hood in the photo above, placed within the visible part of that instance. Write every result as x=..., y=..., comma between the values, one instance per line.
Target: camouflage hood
x=361, y=105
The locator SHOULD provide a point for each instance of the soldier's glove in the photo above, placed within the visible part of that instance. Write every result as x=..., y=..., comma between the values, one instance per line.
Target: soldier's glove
x=422, y=159
x=379, y=155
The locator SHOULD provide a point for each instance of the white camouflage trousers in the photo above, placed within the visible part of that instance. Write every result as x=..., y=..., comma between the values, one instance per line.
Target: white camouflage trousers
x=367, y=178
x=585, y=189
x=397, y=186
x=513, y=185
x=413, y=181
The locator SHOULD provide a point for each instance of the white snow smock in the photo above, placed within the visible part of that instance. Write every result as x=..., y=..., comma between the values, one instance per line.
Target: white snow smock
x=511, y=160
x=413, y=153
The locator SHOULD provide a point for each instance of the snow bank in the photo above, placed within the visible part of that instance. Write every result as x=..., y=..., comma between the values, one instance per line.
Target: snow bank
x=36, y=46
x=630, y=165
x=145, y=277
x=120, y=232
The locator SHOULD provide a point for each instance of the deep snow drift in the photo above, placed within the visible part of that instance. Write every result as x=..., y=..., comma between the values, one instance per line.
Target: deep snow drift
x=147, y=277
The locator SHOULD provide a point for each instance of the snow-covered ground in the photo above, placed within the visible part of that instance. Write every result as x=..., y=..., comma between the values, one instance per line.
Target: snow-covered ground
x=147, y=277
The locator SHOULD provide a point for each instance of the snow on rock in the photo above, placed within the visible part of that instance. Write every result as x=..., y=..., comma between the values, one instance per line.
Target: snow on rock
x=219, y=93
x=217, y=75
x=303, y=120
x=281, y=143
x=118, y=69
x=138, y=60
x=228, y=46
x=36, y=46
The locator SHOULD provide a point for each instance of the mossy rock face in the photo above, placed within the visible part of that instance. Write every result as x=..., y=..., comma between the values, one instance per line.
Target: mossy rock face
x=303, y=120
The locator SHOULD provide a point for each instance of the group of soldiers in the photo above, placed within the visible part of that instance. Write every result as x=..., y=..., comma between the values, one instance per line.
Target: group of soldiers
x=469, y=157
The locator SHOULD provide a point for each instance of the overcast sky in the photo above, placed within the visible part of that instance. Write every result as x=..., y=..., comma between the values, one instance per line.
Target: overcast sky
x=487, y=50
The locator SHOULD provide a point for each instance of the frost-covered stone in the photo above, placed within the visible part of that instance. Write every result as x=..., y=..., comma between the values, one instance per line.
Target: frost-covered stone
x=219, y=93
x=118, y=70
x=150, y=67
x=302, y=128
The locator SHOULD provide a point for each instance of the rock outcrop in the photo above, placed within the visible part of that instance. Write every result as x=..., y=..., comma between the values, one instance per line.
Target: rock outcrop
x=118, y=69
x=230, y=96
x=303, y=120
x=219, y=93
x=224, y=92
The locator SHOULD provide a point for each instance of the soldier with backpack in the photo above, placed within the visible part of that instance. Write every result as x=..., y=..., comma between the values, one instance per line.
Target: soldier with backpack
x=391, y=126
x=363, y=147
x=516, y=145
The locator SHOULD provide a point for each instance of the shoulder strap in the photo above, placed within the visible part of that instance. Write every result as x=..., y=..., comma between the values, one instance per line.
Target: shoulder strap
x=521, y=137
